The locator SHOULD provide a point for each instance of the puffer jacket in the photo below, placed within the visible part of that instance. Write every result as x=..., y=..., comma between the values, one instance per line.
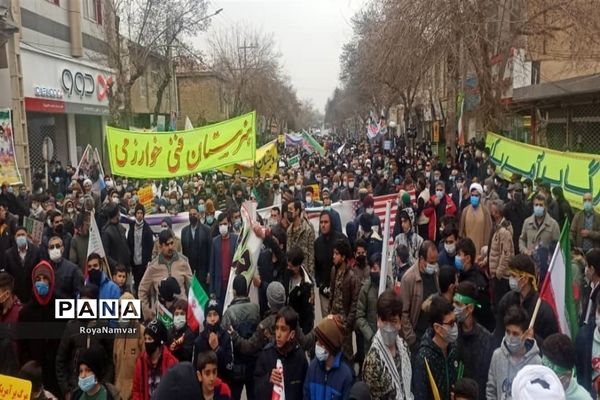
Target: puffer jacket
x=126, y=350
x=503, y=369
x=501, y=249
x=366, y=311
x=443, y=368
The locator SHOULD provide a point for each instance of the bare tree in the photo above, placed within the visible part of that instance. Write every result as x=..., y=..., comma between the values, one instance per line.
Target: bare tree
x=141, y=32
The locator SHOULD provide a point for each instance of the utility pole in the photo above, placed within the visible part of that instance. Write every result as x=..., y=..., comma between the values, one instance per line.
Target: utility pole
x=15, y=71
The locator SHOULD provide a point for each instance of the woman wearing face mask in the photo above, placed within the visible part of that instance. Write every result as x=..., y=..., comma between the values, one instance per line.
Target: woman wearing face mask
x=474, y=345
x=91, y=370
x=386, y=368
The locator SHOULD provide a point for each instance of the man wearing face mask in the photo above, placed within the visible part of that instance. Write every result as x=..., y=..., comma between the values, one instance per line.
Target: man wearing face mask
x=501, y=249
x=474, y=345
x=114, y=239
x=196, y=243
x=585, y=229
x=540, y=229
x=108, y=290
x=559, y=356
x=302, y=234
x=383, y=368
x=69, y=279
x=56, y=229
x=221, y=258
x=366, y=306
x=523, y=284
x=349, y=191
x=516, y=210
x=418, y=284
x=592, y=288
x=517, y=351
x=19, y=262
x=140, y=241
x=439, y=349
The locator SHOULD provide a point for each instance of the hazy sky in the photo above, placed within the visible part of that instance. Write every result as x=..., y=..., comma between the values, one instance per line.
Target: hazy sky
x=308, y=33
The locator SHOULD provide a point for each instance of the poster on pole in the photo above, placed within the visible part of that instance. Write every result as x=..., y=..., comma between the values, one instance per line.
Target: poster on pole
x=35, y=229
x=9, y=171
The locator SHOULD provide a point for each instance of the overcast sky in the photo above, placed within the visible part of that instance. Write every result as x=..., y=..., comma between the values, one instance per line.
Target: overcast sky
x=308, y=33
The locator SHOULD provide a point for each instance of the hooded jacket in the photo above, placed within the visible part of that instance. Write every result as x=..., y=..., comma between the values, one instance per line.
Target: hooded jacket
x=224, y=351
x=126, y=350
x=108, y=289
x=334, y=384
x=504, y=368
x=443, y=368
x=40, y=310
x=366, y=311
x=501, y=249
x=141, y=391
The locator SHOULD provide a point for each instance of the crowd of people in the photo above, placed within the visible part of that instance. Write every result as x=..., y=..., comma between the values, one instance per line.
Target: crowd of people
x=470, y=252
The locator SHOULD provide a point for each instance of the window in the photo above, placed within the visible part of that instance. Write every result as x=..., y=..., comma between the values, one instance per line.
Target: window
x=92, y=10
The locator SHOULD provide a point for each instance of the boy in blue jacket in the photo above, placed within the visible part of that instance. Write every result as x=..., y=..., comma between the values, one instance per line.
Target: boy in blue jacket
x=328, y=377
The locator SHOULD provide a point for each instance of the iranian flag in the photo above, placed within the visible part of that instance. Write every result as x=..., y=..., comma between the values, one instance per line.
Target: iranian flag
x=557, y=289
x=197, y=299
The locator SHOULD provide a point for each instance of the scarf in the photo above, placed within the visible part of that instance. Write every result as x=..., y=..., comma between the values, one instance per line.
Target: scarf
x=402, y=392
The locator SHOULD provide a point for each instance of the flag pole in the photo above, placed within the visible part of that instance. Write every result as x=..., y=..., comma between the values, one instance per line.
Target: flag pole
x=545, y=283
x=384, y=252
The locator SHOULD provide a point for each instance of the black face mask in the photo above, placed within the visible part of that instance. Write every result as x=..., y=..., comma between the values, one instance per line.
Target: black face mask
x=290, y=217
x=193, y=219
x=151, y=347
x=361, y=260
x=95, y=276
x=375, y=278
x=276, y=186
x=58, y=228
x=239, y=200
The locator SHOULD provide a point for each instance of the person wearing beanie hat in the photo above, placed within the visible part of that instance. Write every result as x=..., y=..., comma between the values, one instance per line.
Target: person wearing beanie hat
x=275, y=296
x=91, y=369
x=327, y=372
x=168, y=291
x=407, y=236
x=243, y=317
x=534, y=382
x=475, y=220
x=214, y=338
x=140, y=241
x=153, y=362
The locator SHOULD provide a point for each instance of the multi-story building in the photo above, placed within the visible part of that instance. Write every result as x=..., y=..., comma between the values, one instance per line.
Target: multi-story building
x=65, y=78
x=201, y=96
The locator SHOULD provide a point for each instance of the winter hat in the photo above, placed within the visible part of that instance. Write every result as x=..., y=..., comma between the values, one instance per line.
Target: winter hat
x=95, y=358
x=157, y=331
x=360, y=391
x=168, y=288
x=537, y=382
x=212, y=305
x=330, y=333
x=405, y=198
x=240, y=286
x=276, y=295
x=476, y=186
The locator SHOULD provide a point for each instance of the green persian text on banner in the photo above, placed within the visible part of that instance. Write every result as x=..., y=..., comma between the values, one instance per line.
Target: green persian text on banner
x=576, y=173
x=160, y=155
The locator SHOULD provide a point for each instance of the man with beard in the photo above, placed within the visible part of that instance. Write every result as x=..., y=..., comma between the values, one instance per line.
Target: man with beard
x=196, y=243
x=69, y=279
x=56, y=229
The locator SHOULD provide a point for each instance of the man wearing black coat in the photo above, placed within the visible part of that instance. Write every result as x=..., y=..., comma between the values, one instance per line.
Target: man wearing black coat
x=8, y=225
x=113, y=237
x=57, y=229
x=196, y=243
x=140, y=241
x=19, y=261
x=69, y=278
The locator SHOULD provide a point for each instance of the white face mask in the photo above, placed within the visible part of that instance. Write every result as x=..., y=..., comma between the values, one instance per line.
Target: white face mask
x=370, y=211
x=223, y=229
x=309, y=199
x=179, y=321
x=320, y=353
x=450, y=248
x=55, y=254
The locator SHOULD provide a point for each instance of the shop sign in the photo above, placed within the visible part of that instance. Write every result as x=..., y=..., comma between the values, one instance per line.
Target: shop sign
x=82, y=84
x=48, y=93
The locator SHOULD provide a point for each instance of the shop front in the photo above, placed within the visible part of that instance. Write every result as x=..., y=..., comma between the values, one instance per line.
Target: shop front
x=66, y=100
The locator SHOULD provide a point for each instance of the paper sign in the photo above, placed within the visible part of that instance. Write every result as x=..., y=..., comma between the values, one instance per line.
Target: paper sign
x=12, y=388
x=146, y=196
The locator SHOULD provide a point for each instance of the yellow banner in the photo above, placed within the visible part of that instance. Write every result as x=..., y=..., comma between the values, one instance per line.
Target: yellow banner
x=265, y=163
x=12, y=388
x=167, y=154
x=576, y=173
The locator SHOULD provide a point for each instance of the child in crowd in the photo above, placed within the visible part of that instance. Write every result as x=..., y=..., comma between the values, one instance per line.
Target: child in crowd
x=293, y=360
x=465, y=389
x=212, y=387
x=120, y=278
x=517, y=351
x=181, y=338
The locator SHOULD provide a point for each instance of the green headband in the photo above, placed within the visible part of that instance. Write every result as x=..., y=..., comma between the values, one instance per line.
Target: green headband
x=557, y=369
x=461, y=298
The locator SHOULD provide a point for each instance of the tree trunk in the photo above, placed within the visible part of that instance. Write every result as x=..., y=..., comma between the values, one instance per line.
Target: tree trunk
x=160, y=93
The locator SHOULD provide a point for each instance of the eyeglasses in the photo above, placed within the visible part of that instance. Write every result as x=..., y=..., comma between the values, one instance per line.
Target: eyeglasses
x=451, y=323
x=54, y=246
